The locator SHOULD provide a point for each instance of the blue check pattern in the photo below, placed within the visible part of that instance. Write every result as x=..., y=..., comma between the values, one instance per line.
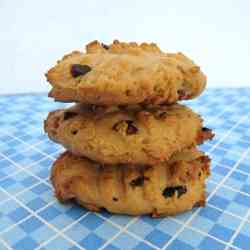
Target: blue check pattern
x=31, y=217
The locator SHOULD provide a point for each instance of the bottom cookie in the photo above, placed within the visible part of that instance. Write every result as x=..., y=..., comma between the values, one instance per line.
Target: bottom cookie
x=160, y=190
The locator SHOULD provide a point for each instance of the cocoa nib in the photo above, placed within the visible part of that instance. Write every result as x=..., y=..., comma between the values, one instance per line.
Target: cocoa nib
x=79, y=70
x=69, y=114
x=139, y=181
x=170, y=191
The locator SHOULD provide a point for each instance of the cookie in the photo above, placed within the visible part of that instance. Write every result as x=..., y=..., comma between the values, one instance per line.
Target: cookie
x=125, y=73
x=126, y=135
x=160, y=190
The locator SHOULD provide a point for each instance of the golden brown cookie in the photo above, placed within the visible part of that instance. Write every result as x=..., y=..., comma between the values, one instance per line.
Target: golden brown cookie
x=125, y=73
x=159, y=190
x=118, y=135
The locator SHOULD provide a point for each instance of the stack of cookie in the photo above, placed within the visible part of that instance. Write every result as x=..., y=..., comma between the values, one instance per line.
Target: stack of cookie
x=130, y=147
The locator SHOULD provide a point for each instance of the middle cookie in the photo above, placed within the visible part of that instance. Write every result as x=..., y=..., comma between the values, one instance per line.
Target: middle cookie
x=126, y=135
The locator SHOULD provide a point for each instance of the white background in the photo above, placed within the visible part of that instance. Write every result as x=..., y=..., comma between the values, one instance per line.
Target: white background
x=34, y=34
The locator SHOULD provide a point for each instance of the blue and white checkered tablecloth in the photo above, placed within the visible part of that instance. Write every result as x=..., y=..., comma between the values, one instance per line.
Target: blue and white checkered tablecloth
x=31, y=218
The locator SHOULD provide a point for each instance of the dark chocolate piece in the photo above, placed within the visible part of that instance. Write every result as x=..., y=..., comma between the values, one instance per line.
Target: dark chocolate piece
x=69, y=114
x=105, y=46
x=206, y=129
x=161, y=114
x=79, y=70
x=74, y=132
x=131, y=128
x=139, y=181
x=170, y=191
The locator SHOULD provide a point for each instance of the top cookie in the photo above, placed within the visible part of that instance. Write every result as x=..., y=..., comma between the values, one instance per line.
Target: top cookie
x=125, y=73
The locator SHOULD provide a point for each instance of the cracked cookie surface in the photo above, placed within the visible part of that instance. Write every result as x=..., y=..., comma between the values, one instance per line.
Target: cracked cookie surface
x=125, y=73
x=134, y=135
x=162, y=189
